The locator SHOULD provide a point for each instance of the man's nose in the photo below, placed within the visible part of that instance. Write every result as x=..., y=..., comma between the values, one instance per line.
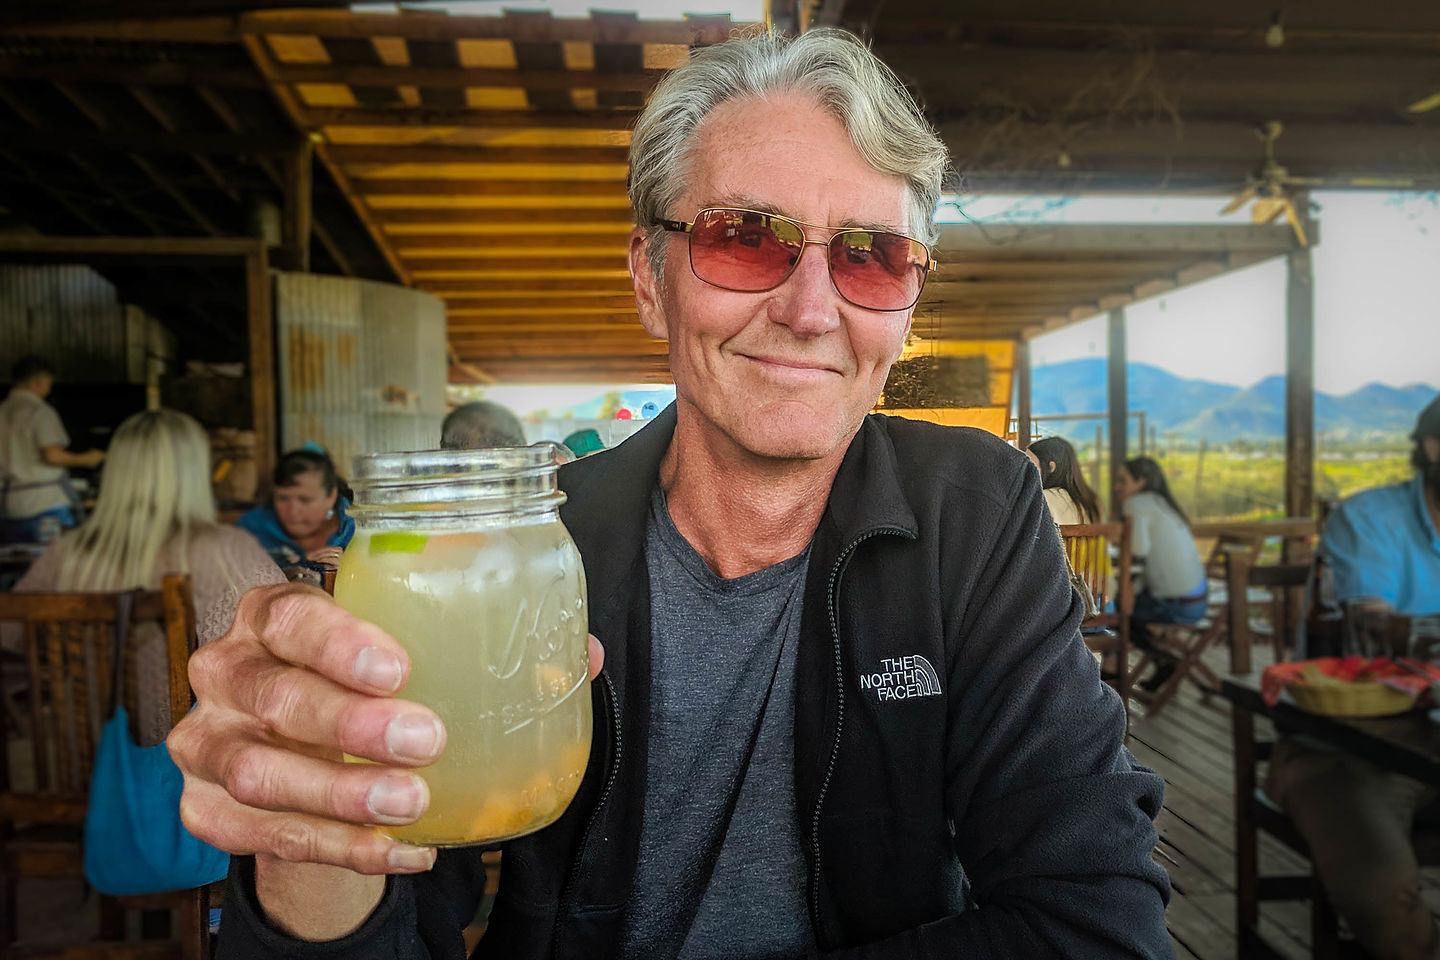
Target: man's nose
x=808, y=303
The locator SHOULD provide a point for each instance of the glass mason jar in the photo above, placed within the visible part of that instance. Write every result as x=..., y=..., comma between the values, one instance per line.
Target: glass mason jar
x=461, y=556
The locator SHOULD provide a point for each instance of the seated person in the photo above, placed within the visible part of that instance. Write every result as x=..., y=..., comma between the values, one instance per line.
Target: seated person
x=305, y=518
x=1068, y=496
x=1171, y=587
x=1384, y=545
x=156, y=515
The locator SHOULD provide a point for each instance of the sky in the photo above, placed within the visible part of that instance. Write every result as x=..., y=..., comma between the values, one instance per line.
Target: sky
x=1377, y=294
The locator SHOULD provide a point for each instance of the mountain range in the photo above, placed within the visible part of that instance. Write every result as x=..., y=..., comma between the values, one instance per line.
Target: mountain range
x=1218, y=412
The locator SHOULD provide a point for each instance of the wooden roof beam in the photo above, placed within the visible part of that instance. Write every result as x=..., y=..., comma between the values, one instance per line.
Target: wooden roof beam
x=970, y=242
x=621, y=216
x=531, y=288
x=149, y=141
x=157, y=111
x=524, y=27
x=231, y=121
x=156, y=74
x=428, y=153
x=424, y=116
x=102, y=122
x=460, y=77
x=560, y=189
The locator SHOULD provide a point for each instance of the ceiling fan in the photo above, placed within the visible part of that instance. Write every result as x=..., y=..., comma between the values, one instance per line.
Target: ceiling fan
x=1268, y=188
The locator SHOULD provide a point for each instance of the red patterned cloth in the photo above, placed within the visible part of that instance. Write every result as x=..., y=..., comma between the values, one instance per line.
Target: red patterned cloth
x=1407, y=676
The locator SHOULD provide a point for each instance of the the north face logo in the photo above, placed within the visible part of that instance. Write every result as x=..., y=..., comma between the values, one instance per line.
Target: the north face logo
x=902, y=678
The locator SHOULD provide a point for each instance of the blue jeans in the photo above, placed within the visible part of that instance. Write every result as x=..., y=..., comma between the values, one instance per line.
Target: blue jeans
x=41, y=528
x=1152, y=609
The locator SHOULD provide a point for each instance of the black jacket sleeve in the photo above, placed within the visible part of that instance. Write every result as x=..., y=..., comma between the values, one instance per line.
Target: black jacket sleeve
x=1053, y=818
x=420, y=917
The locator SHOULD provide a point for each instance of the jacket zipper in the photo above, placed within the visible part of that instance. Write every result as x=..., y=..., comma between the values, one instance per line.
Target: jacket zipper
x=835, y=573
x=574, y=878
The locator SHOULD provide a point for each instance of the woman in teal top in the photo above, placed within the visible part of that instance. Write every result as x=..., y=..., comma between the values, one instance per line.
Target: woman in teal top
x=305, y=518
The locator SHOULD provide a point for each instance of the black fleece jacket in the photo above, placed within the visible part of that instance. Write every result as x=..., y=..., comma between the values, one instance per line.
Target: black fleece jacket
x=961, y=782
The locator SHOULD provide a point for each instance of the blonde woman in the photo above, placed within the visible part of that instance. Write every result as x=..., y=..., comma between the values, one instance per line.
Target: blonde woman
x=156, y=515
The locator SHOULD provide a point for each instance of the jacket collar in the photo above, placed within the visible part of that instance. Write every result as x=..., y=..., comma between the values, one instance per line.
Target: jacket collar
x=867, y=495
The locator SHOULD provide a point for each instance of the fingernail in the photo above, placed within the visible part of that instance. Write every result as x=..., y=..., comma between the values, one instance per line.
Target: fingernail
x=412, y=736
x=396, y=800
x=411, y=859
x=379, y=668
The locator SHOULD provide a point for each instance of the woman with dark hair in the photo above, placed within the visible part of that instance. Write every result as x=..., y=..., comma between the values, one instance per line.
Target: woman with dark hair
x=305, y=518
x=1171, y=586
x=1068, y=496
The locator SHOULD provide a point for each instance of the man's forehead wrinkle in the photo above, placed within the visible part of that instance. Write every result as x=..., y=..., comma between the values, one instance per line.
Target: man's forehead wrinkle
x=748, y=202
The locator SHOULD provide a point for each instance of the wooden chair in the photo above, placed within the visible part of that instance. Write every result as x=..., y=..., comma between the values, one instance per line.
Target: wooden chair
x=1188, y=643
x=1088, y=546
x=68, y=647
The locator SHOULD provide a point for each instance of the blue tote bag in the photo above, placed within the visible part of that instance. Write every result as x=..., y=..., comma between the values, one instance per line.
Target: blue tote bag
x=134, y=840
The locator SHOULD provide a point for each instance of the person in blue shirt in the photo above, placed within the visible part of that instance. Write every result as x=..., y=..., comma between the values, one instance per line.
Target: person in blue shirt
x=1384, y=545
x=306, y=517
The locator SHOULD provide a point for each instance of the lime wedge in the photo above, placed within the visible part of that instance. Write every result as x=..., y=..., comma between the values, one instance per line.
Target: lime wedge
x=397, y=543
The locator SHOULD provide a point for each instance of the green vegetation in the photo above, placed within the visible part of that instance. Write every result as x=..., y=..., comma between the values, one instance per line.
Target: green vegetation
x=1247, y=481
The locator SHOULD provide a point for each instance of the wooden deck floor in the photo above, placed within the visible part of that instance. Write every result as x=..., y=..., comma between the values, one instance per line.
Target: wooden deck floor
x=1189, y=745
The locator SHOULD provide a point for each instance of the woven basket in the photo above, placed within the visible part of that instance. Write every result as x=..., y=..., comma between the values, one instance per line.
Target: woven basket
x=1361, y=699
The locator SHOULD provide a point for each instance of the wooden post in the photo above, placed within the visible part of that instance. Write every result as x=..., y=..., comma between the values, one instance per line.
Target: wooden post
x=299, y=181
x=1099, y=455
x=1022, y=394
x=262, y=359
x=1118, y=403
x=1299, y=380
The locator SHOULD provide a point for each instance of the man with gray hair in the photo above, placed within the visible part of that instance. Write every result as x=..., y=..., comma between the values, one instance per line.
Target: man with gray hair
x=481, y=424
x=844, y=709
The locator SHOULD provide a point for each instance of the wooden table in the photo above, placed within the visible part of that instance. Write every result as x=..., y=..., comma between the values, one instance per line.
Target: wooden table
x=1408, y=744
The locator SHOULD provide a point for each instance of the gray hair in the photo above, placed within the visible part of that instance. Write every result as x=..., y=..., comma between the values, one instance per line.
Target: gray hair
x=833, y=66
x=481, y=424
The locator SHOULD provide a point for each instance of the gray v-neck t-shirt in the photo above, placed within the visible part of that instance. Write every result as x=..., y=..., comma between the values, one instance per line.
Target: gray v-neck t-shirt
x=721, y=872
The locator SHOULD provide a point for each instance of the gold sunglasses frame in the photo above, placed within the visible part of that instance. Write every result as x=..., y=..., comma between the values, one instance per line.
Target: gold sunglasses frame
x=688, y=227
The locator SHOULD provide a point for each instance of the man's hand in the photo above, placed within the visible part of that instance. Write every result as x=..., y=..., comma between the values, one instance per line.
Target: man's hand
x=294, y=684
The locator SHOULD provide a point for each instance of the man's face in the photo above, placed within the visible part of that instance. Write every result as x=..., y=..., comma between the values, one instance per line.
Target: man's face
x=788, y=373
x=42, y=384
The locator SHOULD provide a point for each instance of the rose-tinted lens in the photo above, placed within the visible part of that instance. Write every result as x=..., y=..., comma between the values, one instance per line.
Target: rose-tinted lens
x=878, y=271
x=743, y=250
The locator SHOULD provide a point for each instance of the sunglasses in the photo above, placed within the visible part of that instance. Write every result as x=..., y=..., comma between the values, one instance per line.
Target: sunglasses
x=749, y=251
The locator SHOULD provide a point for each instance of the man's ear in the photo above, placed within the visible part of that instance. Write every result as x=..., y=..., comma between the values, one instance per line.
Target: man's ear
x=1431, y=446
x=647, y=288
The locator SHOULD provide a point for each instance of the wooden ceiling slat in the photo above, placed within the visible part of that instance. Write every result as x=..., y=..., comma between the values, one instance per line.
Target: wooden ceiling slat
x=461, y=77
x=558, y=242
x=558, y=286
x=154, y=74
x=506, y=215
x=425, y=116
x=529, y=306
x=519, y=264
x=493, y=188
x=467, y=154
x=423, y=25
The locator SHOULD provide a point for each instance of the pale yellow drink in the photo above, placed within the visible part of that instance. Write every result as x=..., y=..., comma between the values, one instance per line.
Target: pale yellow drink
x=494, y=622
